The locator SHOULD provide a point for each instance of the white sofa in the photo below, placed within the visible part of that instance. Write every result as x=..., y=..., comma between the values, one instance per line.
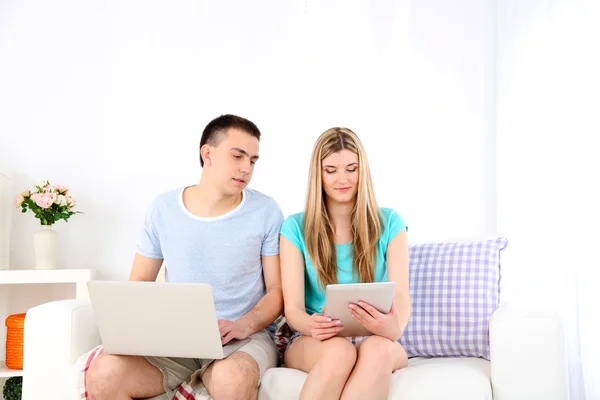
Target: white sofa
x=527, y=361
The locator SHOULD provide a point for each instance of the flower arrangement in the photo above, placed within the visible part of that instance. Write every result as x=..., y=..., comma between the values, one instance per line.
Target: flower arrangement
x=49, y=203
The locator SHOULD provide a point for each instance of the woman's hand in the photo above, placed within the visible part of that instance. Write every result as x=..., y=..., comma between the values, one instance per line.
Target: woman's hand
x=322, y=327
x=385, y=325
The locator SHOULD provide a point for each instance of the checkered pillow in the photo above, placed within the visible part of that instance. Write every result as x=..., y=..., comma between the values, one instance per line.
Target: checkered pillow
x=455, y=288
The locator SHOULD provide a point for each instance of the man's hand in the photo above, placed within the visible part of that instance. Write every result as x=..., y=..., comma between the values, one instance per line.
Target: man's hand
x=385, y=325
x=232, y=330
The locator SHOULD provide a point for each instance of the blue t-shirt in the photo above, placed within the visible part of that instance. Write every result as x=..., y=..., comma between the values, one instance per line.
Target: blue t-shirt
x=223, y=251
x=314, y=297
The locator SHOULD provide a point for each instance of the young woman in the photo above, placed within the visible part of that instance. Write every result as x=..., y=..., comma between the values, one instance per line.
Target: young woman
x=343, y=237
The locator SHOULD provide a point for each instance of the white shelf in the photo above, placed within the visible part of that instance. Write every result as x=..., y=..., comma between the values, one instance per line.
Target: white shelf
x=26, y=276
x=6, y=372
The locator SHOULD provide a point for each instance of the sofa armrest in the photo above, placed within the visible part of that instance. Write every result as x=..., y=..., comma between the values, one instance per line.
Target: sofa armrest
x=55, y=335
x=528, y=356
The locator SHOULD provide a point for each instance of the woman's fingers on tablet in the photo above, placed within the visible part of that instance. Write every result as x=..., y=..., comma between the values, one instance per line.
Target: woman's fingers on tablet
x=320, y=321
x=331, y=330
x=370, y=309
x=359, y=312
x=363, y=317
x=331, y=324
x=320, y=318
x=323, y=334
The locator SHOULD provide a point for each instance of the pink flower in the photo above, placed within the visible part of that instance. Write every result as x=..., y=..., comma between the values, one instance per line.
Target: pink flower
x=36, y=196
x=44, y=201
x=19, y=200
x=26, y=193
x=62, y=188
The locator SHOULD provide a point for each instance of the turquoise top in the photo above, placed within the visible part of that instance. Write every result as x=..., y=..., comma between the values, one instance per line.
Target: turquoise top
x=314, y=297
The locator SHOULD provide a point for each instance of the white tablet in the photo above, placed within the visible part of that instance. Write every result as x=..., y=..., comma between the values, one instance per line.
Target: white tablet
x=337, y=298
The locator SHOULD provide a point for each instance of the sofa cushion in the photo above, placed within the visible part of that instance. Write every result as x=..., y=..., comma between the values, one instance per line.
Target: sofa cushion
x=423, y=379
x=454, y=288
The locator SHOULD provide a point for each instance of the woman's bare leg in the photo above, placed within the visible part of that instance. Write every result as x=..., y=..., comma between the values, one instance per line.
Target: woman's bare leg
x=378, y=357
x=328, y=363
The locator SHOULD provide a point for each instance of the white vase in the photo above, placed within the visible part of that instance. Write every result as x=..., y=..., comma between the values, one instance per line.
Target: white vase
x=45, y=247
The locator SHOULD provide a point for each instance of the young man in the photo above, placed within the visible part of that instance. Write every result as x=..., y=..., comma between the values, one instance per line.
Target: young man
x=218, y=232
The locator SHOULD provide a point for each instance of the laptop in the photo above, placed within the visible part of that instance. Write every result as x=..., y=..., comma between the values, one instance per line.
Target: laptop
x=158, y=319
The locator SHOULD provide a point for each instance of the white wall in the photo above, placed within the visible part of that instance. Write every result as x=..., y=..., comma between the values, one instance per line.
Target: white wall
x=110, y=99
x=548, y=125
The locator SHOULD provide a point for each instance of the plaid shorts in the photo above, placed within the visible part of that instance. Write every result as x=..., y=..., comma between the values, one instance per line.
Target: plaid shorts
x=353, y=339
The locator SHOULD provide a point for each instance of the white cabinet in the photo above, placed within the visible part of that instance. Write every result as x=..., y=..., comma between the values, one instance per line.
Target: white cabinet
x=23, y=289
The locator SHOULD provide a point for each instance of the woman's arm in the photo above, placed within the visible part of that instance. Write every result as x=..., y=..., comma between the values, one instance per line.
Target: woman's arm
x=292, y=278
x=292, y=283
x=397, y=264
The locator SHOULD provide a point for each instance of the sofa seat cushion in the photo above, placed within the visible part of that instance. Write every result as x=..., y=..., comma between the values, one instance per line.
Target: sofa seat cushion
x=424, y=378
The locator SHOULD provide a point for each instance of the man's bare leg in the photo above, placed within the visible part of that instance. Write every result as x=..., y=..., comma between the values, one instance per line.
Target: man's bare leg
x=113, y=377
x=233, y=378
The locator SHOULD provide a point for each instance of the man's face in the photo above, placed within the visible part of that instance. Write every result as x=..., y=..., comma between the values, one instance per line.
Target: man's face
x=231, y=162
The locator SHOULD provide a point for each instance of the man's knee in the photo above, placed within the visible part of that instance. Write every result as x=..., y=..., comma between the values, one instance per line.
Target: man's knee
x=235, y=377
x=103, y=377
x=116, y=377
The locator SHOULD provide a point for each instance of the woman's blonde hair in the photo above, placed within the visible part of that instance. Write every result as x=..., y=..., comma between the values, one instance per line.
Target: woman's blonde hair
x=365, y=220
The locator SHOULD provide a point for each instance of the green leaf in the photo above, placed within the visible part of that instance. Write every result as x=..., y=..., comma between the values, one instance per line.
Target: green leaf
x=13, y=388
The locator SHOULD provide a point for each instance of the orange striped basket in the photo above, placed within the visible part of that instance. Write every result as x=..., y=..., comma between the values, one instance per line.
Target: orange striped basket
x=14, y=341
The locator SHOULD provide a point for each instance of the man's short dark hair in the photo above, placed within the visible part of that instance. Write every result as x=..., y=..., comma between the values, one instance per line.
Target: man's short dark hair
x=220, y=125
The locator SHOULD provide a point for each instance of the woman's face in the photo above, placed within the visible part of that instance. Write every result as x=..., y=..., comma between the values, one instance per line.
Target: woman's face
x=340, y=176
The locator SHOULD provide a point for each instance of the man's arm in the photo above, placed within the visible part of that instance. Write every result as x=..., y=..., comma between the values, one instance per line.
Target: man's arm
x=145, y=268
x=266, y=310
x=271, y=305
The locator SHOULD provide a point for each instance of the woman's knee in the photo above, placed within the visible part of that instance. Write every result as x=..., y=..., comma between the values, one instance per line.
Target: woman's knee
x=378, y=352
x=339, y=353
